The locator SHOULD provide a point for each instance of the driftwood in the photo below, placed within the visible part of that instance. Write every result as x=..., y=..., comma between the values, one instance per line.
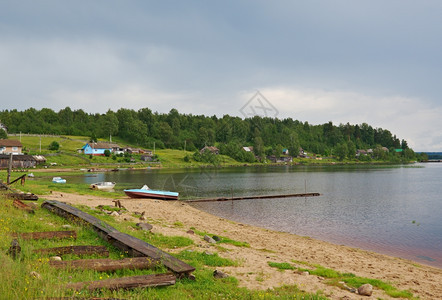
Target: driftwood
x=77, y=250
x=104, y=265
x=22, y=196
x=46, y=235
x=15, y=249
x=126, y=282
x=20, y=205
x=134, y=246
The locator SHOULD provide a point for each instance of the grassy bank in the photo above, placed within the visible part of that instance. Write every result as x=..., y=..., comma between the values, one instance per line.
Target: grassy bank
x=30, y=276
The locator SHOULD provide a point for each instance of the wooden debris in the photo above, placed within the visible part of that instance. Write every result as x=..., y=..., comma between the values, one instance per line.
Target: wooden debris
x=20, y=205
x=23, y=196
x=104, y=265
x=46, y=235
x=133, y=246
x=126, y=282
x=77, y=250
x=15, y=249
x=117, y=203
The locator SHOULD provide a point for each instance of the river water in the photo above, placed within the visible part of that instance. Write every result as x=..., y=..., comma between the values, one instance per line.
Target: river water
x=390, y=210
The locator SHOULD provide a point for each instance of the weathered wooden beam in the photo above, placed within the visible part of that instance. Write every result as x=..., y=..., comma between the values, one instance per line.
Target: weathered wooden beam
x=23, y=178
x=154, y=280
x=20, y=205
x=137, y=247
x=22, y=196
x=132, y=245
x=46, y=235
x=255, y=197
x=106, y=264
x=77, y=250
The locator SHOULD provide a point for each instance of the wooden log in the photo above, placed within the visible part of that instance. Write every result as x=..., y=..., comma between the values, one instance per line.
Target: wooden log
x=106, y=264
x=137, y=247
x=20, y=205
x=46, y=235
x=22, y=196
x=77, y=250
x=133, y=246
x=154, y=280
x=255, y=197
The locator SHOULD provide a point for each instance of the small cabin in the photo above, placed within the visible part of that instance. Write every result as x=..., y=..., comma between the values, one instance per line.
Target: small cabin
x=97, y=148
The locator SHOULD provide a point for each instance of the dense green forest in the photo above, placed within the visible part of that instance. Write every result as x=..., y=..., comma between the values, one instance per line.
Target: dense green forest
x=177, y=131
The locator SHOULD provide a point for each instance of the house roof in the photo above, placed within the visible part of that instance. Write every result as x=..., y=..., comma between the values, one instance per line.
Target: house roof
x=102, y=145
x=10, y=143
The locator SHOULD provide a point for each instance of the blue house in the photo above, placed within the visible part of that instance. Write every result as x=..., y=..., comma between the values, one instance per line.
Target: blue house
x=97, y=148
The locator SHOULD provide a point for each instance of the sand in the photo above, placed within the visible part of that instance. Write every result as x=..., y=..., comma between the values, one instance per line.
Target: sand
x=176, y=218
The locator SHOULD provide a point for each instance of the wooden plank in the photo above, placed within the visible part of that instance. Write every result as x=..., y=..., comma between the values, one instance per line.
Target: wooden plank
x=78, y=216
x=22, y=196
x=46, y=235
x=132, y=245
x=20, y=205
x=154, y=280
x=77, y=250
x=106, y=264
x=255, y=197
x=139, y=247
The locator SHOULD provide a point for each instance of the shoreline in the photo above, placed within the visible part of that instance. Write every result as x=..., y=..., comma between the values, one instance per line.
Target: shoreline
x=176, y=218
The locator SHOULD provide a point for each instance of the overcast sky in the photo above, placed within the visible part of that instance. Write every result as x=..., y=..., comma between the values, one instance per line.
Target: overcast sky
x=378, y=62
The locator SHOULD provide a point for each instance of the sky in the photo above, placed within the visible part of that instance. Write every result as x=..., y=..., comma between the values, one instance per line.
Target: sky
x=375, y=62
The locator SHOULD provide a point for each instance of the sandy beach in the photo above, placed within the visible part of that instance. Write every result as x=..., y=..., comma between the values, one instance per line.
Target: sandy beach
x=176, y=218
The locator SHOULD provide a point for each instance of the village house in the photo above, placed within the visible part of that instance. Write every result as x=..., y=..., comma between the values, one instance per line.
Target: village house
x=3, y=126
x=248, y=149
x=10, y=146
x=97, y=148
x=212, y=149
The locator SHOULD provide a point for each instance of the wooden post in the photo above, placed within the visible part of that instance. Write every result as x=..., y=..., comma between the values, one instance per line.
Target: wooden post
x=9, y=168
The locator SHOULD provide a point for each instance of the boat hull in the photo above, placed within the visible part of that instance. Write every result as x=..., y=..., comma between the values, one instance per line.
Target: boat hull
x=102, y=186
x=138, y=193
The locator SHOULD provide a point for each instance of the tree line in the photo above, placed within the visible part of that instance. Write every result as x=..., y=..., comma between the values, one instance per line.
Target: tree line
x=192, y=132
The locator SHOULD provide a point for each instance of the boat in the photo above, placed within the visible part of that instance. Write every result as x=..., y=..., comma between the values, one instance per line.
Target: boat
x=58, y=180
x=105, y=185
x=146, y=192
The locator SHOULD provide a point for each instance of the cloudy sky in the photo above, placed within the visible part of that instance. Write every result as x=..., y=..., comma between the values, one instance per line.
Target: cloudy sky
x=378, y=62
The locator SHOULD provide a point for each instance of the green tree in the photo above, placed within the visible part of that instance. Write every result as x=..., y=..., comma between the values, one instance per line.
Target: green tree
x=341, y=151
x=3, y=134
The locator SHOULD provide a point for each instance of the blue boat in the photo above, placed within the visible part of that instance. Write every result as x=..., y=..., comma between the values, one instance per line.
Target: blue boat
x=146, y=192
x=58, y=180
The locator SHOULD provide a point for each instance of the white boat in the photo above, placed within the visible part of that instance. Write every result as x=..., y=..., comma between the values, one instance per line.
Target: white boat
x=146, y=192
x=58, y=180
x=104, y=185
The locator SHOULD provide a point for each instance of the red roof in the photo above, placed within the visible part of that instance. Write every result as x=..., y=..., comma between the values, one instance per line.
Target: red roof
x=10, y=143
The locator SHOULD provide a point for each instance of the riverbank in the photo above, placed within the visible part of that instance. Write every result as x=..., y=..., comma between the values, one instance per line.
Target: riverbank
x=254, y=272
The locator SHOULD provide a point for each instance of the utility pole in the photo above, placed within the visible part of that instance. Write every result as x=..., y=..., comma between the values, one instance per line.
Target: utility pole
x=9, y=168
x=40, y=143
x=153, y=148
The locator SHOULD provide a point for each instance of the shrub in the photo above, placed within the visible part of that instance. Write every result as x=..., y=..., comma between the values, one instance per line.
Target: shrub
x=54, y=146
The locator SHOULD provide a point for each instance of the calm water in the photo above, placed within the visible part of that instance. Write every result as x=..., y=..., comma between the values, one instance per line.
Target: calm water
x=396, y=211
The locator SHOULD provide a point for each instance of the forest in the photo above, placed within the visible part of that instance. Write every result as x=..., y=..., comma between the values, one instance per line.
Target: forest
x=174, y=130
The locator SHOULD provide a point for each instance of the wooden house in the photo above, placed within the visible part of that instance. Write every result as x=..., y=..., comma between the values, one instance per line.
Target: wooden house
x=10, y=146
x=3, y=126
x=97, y=148
x=212, y=149
x=18, y=161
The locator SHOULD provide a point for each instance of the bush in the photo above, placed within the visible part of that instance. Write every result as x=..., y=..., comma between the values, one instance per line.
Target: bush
x=107, y=153
x=54, y=146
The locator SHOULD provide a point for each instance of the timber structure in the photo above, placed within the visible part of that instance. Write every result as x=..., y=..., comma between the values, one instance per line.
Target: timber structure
x=134, y=246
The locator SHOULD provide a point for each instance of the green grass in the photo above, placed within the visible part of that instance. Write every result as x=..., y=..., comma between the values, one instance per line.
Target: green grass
x=281, y=266
x=223, y=239
x=334, y=277
x=17, y=281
